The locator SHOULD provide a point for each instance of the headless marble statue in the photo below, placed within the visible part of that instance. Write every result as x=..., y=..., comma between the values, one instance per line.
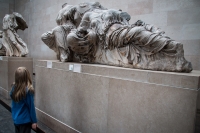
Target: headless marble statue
x=10, y=42
x=88, y=32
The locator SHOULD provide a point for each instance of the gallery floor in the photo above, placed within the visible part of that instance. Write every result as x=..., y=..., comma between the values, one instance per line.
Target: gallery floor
x=6, y=125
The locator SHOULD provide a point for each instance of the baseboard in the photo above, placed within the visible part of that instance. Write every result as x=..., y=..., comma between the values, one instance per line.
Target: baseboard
x=54, y=124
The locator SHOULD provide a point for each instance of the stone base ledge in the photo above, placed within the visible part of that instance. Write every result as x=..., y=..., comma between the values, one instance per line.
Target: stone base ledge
x=108, y=99
x=8, y=65
x=8, y=58
x=181, y=80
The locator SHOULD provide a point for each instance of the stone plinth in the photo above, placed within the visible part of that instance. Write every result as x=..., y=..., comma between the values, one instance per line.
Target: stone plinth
x=107, y=99
x=8, y=65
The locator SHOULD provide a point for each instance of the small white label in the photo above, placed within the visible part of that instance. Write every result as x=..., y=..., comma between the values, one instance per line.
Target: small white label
x=71, y=67
x=1, y=58
x=49, y=64
x=77, y=68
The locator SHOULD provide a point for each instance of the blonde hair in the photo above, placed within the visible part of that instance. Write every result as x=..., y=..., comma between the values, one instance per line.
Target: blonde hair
x=22, y=81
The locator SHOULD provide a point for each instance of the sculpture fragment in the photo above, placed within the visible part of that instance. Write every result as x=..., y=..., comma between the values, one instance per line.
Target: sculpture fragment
x=90, y=33
x=10, y=42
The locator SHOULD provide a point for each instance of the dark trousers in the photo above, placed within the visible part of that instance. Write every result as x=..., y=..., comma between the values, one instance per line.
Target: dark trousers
x=23, y=128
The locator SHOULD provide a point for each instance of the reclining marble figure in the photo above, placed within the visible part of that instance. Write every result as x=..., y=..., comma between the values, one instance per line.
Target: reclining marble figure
x=10, y=42
x=2, y=48
x=89, y=32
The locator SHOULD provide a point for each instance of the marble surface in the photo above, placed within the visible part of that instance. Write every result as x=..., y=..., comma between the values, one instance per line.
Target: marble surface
x=113, y=99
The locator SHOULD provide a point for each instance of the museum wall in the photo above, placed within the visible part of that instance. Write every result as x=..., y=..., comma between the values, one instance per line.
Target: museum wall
x=6, y=7
x=178, y=18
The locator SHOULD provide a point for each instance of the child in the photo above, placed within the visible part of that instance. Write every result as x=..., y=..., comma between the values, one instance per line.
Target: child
x=22, y=95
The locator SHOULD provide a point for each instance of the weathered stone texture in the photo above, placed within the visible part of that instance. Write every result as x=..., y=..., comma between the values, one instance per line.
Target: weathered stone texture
x=178, y=18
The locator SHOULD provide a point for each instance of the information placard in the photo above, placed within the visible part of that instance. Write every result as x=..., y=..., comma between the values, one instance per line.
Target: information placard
x=49, y=64
x=77, y=68
x=71, y=67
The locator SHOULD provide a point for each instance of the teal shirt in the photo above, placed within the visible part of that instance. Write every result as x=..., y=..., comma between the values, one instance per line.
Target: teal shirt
x=24, y=111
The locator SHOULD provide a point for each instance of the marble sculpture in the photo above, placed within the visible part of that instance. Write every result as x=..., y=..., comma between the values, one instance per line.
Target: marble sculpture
x=10, y=42
x=91, y=33
x=2, y=48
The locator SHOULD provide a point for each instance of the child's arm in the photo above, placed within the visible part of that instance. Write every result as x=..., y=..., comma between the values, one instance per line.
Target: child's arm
x=30, y=102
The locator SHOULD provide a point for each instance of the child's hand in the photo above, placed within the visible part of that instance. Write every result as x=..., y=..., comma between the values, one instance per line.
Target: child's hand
x=34, y=126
